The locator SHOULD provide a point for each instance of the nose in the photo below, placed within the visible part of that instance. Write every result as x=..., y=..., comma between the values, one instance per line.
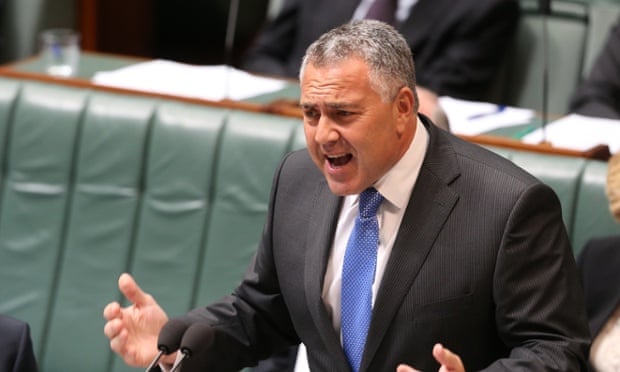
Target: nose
x=326, y=132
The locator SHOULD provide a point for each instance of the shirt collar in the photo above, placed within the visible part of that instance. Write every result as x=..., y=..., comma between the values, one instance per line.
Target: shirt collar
x=397, y=184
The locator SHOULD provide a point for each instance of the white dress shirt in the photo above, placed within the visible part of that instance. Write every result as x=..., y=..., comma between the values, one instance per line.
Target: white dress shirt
x=396, y=187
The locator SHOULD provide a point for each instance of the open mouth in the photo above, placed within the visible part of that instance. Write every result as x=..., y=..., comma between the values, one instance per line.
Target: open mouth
x=339, y=160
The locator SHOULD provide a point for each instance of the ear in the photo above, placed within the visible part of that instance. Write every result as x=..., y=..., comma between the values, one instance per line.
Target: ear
x=404, y=104
x=405, y=101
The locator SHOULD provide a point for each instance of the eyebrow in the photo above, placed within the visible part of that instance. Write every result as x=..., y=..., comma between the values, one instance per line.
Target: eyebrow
x=330, y=105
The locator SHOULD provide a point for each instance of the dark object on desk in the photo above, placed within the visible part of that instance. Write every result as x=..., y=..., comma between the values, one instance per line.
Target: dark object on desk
x=16, y=353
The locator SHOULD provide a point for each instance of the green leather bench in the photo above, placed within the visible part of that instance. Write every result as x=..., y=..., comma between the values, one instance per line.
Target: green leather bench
x=93, y=184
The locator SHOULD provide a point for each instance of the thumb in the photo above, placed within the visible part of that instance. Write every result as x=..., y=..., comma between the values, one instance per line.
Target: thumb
x=449, y=360
x=130, y=289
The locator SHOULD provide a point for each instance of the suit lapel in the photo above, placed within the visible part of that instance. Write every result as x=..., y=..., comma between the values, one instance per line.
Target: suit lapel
x=431, y=203
x=322, y=226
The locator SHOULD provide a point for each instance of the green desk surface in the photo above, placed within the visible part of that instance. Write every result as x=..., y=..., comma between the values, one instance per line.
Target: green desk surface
x=91, y=63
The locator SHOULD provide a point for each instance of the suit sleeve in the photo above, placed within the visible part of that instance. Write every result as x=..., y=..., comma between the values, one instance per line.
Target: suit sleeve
x=540, y=311
x=599, y=94
x=25, y=361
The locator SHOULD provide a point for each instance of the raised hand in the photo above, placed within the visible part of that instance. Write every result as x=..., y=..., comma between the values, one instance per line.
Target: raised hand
x=450, y=362
x=133, y=330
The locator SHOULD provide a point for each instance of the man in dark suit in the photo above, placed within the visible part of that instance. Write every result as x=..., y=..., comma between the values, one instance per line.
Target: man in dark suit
x=599, y=94
x=16, y=354
x=473, y=267
x=458, y=45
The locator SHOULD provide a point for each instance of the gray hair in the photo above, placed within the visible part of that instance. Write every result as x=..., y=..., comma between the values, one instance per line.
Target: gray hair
x=378, y=44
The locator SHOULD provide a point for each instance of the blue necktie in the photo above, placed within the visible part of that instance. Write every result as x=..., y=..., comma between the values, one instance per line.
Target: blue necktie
x=358, y=274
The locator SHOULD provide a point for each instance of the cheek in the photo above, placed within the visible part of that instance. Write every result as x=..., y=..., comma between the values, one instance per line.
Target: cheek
x=312, y=147
x=309, y=133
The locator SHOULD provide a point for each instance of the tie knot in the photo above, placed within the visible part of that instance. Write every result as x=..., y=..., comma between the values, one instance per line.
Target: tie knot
x=370, y=199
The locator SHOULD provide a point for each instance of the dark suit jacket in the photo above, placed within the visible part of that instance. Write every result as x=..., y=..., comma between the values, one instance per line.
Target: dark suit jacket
x=599, y=94
x=16, y=354
x=457, y=45
x=481, y=263
x=599, y=266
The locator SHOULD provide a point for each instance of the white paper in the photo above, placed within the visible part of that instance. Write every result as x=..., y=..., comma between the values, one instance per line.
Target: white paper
x=579, y=133
x=473, y=117
x=205, y=82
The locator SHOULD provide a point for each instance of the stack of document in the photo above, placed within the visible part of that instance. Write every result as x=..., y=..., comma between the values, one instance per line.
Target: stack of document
x=472, y=117
x=574, y=132
x=579, y=132
x=204, y=82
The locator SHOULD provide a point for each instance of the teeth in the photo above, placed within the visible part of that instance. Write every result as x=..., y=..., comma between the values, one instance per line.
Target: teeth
x=336, y=156
x=338, y=160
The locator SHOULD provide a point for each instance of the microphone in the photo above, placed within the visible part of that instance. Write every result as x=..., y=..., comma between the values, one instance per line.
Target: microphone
x=231, y=27
x=544, y=6
x=168, y=340
x=198, y=338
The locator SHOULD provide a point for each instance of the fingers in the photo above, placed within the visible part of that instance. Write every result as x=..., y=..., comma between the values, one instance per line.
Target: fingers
x=119, y=342
x=112, y=328
x=449, y=361
x=130, y=289
x=112, y=310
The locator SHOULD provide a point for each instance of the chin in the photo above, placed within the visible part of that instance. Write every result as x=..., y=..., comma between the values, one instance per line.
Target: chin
x=341, y=189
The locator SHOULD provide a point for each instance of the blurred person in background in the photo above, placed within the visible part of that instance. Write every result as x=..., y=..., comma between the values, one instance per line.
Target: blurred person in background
x=457, y=45
x=599, y=265
x=599, y=94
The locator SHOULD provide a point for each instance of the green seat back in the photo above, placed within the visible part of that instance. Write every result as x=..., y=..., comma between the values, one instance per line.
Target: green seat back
x=38, y=164
x=567, y=27
x=251, y=147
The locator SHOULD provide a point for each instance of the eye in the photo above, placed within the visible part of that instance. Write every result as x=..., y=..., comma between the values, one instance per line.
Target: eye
x=311, y=114
x=344, y=113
